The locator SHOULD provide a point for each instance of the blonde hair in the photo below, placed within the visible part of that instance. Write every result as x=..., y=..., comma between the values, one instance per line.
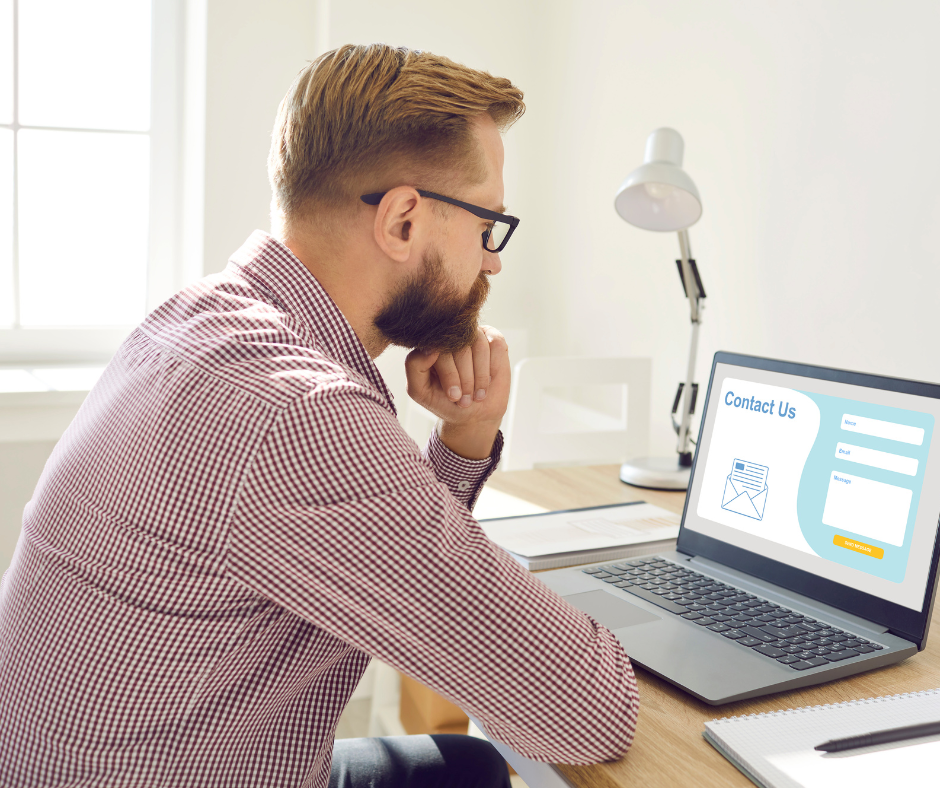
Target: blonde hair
x=361, y=115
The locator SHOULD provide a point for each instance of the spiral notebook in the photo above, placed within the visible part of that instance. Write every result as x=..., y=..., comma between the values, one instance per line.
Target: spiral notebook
x=775, y=750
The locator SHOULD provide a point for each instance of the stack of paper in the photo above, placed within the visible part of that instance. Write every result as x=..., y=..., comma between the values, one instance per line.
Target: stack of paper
x=583, y=536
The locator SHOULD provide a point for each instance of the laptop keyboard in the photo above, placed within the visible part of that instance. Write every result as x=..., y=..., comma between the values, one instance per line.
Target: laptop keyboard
x=774, y=631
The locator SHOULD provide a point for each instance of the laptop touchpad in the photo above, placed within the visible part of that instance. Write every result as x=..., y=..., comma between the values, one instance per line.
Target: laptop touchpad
x=613, y=613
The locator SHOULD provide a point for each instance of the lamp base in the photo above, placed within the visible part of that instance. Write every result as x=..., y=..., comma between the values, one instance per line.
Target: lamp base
x=655, y=473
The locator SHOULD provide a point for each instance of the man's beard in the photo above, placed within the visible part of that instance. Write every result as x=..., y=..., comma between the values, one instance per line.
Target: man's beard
x=428, y=312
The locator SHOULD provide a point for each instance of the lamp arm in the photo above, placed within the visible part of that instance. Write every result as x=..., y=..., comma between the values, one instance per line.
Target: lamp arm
x=691, y=283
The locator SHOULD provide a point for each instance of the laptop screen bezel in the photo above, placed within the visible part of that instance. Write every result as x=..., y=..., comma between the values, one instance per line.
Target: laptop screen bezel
x=899, y=620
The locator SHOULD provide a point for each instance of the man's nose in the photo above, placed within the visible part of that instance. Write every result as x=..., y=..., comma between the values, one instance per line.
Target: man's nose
x=491, y=263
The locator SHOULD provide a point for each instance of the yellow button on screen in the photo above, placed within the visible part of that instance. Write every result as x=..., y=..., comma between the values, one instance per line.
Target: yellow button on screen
x=858, y=547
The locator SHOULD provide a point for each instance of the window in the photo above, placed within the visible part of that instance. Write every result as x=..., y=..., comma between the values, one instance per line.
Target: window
x=87, y=169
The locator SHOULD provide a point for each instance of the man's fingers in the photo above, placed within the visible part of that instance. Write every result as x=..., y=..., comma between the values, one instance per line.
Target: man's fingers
x=465, y=377
x=447, y=374
x=418, y=367
x=463, y=360
x=481, y=365
x=421, y=361
x=499, y=354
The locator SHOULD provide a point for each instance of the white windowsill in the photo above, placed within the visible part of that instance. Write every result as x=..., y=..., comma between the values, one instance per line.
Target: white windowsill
x=37, y=403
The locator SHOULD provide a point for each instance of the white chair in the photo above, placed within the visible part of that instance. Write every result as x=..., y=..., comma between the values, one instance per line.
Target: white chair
x=577, y=411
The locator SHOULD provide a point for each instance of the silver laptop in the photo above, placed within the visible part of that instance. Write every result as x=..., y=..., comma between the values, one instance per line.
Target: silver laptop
x=808, y=546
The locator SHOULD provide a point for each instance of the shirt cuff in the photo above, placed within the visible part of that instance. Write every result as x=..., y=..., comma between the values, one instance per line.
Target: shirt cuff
x=464, y=478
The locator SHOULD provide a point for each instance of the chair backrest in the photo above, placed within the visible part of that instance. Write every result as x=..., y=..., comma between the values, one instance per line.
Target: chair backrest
x=575, y=411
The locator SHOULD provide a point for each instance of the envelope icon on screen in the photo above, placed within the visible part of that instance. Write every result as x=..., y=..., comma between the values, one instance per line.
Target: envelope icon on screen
x=746, y=489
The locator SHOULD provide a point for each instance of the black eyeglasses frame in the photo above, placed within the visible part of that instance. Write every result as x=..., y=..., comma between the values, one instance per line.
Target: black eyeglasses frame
x=476, y=210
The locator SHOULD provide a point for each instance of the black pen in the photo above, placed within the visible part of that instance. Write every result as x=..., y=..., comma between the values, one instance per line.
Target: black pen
x=881, y=737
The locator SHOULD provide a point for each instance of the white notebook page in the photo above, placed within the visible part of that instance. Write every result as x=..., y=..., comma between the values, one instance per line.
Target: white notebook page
x=778, y=747
x=583, y=529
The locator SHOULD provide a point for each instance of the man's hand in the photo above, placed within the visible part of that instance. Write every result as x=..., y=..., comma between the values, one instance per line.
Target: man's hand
x=468, y=391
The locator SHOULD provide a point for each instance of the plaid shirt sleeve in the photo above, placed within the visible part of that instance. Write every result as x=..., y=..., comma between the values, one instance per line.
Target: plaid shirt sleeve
x=343, y=522
x=464, y=478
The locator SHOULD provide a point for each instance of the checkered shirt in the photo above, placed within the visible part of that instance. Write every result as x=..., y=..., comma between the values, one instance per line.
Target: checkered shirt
x=233, y=524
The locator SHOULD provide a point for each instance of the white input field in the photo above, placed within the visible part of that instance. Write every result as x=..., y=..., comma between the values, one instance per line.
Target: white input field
x=876, y=459
x=883, y=429
x=867, y=508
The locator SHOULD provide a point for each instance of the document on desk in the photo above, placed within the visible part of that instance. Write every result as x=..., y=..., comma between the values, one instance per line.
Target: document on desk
x=776, y=750
x=589, y=534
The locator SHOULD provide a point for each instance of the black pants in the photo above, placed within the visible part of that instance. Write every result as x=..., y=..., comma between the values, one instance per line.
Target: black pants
x=436, y=761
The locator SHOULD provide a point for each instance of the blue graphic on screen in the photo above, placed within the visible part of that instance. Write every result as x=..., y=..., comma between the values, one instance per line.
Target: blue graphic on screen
x=848, y=484
x=746, y=489
x=862, y=481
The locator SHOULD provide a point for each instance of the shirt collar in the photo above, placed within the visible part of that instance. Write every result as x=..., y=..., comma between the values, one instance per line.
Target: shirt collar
x=265, y=258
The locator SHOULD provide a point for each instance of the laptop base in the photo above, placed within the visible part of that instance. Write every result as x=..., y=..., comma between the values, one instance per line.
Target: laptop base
x=705, y=663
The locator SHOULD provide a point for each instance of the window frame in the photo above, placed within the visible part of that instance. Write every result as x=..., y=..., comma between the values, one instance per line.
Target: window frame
x=165, y=271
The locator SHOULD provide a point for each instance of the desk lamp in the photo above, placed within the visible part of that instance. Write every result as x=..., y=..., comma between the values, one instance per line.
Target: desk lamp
x=659, y=196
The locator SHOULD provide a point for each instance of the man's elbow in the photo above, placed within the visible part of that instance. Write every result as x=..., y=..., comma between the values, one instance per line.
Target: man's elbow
x=609, y=734
x=591, y=725
x=609, y=712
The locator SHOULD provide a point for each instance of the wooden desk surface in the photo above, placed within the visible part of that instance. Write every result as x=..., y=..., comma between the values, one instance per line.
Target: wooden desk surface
x=669, y=749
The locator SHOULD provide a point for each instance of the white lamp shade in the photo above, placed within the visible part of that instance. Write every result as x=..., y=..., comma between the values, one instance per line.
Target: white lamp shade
x=659, y=195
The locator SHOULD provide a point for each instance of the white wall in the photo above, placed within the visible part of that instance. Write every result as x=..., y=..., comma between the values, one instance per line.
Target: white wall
x=253, y=52
x=21, y=464
x=809, y=131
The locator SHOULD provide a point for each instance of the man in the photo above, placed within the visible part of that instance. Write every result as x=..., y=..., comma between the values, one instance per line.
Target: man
x=235, y=521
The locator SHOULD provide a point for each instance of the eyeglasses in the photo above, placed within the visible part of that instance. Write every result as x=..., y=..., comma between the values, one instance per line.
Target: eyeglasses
x=495, y=237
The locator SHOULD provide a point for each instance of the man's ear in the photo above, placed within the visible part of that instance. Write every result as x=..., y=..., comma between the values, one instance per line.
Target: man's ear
x=394, y=227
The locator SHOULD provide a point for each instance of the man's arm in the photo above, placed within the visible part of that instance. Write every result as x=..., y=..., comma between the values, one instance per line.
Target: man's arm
x=344, y=523
x=464, y=478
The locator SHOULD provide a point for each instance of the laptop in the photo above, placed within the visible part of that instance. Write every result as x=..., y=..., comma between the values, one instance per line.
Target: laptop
x=808, y=546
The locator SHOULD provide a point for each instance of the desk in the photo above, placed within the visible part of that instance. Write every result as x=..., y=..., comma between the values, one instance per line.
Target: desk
x=669, y=749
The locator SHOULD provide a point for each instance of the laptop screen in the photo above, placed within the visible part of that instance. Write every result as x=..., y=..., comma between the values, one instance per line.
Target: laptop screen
x=835, y=479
